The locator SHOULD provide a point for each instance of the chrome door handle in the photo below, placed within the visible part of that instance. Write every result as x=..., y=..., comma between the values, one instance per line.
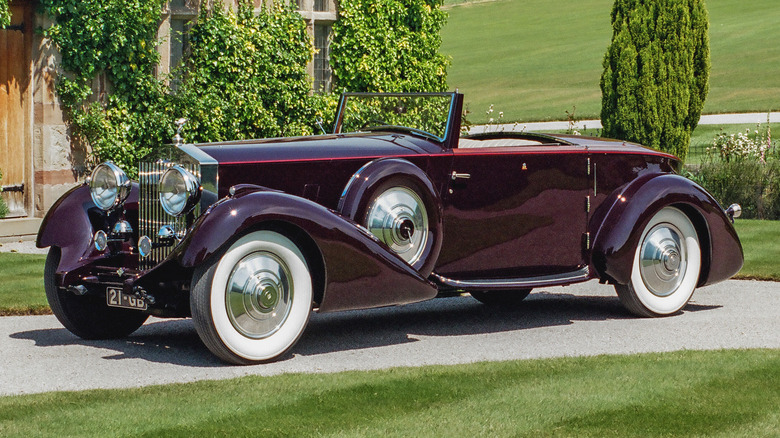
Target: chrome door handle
x=456, y=175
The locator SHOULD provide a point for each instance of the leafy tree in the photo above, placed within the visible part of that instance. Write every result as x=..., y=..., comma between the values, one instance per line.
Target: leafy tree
x=389, y=45
x=656, y=72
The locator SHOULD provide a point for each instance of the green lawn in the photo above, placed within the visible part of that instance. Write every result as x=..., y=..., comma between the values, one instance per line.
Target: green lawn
x=762, y=251
x=534, y=61
x=21, y=284
x=681, y=394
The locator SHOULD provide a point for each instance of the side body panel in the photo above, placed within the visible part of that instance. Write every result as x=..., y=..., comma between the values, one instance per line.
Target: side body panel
x=515, y=212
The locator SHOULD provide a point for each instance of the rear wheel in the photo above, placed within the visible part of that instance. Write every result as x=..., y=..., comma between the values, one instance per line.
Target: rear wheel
x=252, y=304
x=666, y=266
x=86, y=316
x=501, y=297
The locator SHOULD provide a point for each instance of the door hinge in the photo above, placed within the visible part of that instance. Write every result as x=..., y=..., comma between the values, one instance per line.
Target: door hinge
x=587, y=204
x=586, y=240
x=588, y=165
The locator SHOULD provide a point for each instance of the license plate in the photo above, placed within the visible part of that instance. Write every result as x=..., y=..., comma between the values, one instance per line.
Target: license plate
x=116, y=298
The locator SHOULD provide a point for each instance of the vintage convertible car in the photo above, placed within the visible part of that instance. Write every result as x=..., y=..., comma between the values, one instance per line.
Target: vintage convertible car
x=394, y=207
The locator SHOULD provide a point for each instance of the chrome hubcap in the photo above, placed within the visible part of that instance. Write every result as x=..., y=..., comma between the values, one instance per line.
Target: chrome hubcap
x=259, y=295
x=662, y=259
x=399, y=219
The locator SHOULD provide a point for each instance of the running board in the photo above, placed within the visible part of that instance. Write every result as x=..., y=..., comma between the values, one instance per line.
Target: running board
x=516, y=283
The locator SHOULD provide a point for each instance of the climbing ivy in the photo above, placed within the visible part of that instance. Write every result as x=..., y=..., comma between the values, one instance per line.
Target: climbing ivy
x=5, y=14
x=389, y=45
x=246, y=75
x=114, y=40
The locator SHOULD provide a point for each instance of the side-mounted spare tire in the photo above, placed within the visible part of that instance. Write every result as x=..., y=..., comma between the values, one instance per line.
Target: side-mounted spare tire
x=396, y=201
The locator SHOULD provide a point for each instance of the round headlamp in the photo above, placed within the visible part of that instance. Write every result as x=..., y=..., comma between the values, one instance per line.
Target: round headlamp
x=179, y=191
x=109, y=186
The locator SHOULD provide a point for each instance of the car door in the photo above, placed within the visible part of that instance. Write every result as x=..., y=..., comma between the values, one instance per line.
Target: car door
x=515, y=212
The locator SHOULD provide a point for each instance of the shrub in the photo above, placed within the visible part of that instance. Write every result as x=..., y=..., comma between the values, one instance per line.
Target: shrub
x=753, y=185
x=656, y=72
x=743, y=168
x=389, y=45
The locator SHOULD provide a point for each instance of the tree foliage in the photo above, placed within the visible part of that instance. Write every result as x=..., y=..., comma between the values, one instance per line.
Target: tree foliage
x=656, y=72
x=389, y=45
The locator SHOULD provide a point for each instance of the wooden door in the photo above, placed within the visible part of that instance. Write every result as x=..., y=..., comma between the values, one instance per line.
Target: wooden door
x=15, y=107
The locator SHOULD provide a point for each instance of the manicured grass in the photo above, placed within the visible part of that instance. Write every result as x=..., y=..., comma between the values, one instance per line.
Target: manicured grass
x=761, y=244
x=21, y=284
x=716, y=393
x=533, y=59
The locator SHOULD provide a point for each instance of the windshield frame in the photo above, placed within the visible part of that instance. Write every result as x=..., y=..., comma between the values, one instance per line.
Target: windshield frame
x=453, y=116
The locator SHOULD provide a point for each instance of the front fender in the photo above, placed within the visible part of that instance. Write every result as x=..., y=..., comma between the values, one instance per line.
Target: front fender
x=72, y=221
x=359, y=271
x=618, y=224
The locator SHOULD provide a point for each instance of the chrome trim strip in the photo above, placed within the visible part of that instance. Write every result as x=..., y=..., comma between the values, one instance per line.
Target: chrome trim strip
x=519, y=283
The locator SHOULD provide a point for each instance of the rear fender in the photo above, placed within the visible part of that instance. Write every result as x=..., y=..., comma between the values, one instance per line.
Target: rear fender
x=358, y=271
x=617, y=226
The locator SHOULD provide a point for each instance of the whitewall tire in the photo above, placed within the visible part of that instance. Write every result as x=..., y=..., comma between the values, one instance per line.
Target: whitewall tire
x=252, y=304
x=666, y=266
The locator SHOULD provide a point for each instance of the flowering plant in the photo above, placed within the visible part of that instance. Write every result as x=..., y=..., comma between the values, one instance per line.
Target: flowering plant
x=743, y=145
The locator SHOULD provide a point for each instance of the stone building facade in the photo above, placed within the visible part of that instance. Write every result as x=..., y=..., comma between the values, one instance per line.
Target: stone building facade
x=37, y=159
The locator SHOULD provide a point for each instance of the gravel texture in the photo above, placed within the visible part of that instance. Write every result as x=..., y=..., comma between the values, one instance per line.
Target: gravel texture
x=38, y=355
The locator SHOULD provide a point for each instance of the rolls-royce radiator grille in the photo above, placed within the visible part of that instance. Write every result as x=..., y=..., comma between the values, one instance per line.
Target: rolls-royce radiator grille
x=151, y=214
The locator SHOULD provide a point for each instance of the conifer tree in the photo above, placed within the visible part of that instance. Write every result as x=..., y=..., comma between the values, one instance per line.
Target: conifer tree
x=656, y=72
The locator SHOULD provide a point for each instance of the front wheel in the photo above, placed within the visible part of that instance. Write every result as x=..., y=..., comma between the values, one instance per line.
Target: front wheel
x=87, y=316
x=252, y=304
x=666, y=266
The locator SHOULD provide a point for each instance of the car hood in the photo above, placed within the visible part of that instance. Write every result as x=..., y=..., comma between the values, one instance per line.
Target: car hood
x=331, y=146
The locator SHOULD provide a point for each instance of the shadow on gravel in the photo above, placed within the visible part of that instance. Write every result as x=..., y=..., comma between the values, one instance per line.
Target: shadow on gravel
x=457, y=316
x=177, y=343
x=174, y=342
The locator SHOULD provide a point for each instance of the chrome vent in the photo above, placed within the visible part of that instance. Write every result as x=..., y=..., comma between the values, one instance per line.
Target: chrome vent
x=151, y=215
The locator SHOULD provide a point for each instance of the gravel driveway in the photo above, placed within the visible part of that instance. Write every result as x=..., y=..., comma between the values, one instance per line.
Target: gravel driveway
x=38, y=355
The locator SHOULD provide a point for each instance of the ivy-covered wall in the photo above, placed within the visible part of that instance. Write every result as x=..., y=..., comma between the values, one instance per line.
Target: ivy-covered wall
x=244, y=75
x=389, y=45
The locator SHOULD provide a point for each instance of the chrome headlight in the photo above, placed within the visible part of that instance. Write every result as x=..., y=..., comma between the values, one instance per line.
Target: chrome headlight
x=109, y=186
x=179, y=191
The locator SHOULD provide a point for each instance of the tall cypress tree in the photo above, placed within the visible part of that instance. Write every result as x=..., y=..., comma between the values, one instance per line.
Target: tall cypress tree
x=656, y=72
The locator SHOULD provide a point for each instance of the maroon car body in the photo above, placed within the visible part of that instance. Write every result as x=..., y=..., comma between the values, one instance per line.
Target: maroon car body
x=503, y=213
